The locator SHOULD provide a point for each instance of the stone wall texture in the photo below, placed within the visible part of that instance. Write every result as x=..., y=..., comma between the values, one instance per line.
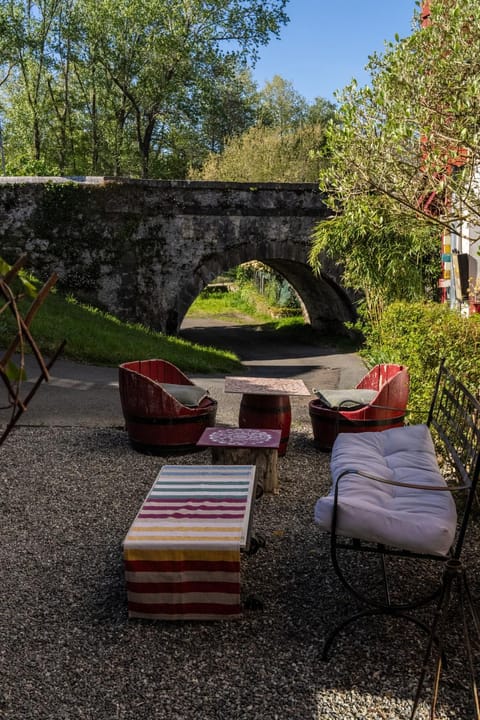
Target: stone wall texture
x=144, y=249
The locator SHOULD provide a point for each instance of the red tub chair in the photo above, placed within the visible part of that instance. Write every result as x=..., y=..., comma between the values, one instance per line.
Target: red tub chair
x=164, y=411
x=378, y=402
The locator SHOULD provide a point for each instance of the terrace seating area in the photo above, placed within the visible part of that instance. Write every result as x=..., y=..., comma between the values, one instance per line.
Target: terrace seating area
x=73, y=494
x=78, y=500
x=389, y=497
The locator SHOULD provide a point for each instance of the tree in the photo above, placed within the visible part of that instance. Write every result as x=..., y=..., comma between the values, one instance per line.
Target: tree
x=31, y=25
x=404, y=158
x=320, y=112
x=97, y=84
x=281, y=106
x=155, y=53
x=264, y=154
x=227, y=108
x=285, y=145
x=385, y=256
x=413, y=134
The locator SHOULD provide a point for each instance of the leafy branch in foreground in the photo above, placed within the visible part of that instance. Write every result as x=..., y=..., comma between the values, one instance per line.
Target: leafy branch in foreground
x=11, y=375
x=385, y=257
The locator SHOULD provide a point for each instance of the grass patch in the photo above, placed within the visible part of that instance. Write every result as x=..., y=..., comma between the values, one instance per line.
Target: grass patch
x=232, y=307
x=98, y=338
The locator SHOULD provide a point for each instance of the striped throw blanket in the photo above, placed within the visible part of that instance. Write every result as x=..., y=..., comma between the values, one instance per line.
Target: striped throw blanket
x=182, y=552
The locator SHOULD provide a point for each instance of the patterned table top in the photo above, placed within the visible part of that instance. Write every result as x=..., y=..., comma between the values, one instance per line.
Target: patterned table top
x=195, y=506
x=265, y=386
x=240, y=437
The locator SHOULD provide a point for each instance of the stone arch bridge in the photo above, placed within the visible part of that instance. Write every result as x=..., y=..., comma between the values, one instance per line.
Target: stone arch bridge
x=144, y=249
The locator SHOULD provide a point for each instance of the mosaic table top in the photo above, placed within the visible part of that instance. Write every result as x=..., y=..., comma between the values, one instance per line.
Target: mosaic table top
x=265, y=386
x=240, y=437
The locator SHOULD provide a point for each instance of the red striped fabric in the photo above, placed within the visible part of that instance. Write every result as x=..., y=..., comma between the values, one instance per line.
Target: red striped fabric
x=191, y=611
x=180, y=565
x=182, y=552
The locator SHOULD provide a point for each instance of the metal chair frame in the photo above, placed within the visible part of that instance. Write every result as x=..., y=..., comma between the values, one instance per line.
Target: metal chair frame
x=454, y=421
x=22, y=337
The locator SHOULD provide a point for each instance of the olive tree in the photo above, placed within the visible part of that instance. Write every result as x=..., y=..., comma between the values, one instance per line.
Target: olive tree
x=404, y=157
x=412, y=134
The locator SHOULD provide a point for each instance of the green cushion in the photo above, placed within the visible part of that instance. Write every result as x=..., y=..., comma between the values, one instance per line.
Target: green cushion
x=350, y=399
x=189, y=395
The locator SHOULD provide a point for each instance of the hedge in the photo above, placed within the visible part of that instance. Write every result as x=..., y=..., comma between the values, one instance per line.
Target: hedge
x=419, y=335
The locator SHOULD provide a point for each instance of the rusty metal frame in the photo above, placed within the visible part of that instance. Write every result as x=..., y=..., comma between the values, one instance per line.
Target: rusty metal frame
x=22, y=337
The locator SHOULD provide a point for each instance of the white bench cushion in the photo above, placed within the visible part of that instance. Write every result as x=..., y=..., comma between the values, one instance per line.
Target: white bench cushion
x=416, y=520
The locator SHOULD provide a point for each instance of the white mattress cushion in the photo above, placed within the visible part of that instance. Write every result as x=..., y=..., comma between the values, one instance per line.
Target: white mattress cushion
x=416, y=520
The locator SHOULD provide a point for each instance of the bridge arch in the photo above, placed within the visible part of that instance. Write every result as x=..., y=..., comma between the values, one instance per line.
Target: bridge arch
x=325, y=304
x=145, y=249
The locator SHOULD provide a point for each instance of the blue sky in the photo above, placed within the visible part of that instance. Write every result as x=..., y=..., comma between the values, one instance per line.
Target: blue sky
x=327, y=42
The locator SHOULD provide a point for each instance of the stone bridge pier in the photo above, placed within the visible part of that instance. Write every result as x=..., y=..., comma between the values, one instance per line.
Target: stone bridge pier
x=144, y=249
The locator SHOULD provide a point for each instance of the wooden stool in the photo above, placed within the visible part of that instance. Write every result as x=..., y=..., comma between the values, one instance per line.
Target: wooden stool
x=246, y=446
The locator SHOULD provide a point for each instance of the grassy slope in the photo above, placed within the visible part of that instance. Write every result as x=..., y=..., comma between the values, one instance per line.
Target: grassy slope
x=100, y=339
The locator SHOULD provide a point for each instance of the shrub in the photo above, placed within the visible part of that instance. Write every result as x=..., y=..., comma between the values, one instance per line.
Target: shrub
x=419, y=335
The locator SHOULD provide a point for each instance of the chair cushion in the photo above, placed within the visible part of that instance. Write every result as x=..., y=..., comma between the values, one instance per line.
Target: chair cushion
x=188, y=395
x=350, y=399
x=416, y=520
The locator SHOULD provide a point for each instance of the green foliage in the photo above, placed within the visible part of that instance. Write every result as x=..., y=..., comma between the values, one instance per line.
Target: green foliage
x=267, y=288
x=23, y=282
x=233, y=306
x=23, y=165
x=120, y=87
x=15, y=373
x=402, y=134
x=285, y=145
x=265, y=154
x=419, y=335
x=385, y=256
x=281, y=106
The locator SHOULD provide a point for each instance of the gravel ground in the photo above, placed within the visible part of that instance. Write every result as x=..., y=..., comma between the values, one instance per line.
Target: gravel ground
x=69, y=651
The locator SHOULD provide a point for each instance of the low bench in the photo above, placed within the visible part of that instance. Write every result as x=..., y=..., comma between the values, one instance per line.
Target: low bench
x=390, y=496
x=182, y=552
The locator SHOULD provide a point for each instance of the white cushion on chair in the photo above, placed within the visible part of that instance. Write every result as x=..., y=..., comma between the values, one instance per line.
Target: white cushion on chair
x=416, y=520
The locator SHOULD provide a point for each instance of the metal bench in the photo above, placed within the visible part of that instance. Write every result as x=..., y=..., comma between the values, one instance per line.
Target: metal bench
x=389, y=498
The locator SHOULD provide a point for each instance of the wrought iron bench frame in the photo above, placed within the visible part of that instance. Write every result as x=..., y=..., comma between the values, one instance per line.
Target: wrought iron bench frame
x=454, y=423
